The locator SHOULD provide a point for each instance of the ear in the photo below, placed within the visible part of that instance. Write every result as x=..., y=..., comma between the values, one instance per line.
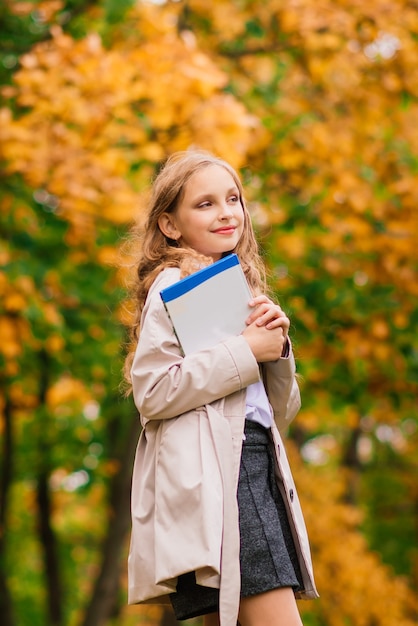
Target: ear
x=168, y=227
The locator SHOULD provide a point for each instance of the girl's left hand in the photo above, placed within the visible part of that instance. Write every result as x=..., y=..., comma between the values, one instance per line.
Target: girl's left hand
x=268, y=314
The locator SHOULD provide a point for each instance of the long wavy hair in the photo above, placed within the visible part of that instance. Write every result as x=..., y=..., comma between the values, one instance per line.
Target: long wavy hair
x=157, y=252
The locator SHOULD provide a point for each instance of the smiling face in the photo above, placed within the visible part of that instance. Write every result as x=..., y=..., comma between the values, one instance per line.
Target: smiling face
x=209, y=216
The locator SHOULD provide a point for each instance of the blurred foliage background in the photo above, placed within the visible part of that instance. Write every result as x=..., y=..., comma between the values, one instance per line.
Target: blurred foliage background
x=317, y=104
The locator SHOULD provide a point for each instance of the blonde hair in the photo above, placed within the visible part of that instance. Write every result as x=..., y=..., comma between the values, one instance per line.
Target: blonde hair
x=156, y=251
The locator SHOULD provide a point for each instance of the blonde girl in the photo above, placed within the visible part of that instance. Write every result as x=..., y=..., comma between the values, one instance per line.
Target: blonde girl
x=217, y=528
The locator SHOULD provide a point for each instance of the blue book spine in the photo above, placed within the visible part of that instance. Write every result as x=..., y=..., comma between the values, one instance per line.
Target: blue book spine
x=190, y=282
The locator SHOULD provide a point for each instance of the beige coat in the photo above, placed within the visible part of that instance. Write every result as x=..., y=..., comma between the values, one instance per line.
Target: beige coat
x=184, y=507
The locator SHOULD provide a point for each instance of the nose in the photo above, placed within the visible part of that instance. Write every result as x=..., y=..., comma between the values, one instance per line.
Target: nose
x=225, y=212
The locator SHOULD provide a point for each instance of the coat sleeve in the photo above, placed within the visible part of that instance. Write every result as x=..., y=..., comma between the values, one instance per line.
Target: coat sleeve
x=165, y=383
x=282, y=389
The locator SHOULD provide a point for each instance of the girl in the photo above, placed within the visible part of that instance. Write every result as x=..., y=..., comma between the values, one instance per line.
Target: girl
x=217, y=528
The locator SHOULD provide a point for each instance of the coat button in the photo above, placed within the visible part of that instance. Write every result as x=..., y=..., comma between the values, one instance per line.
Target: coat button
x=291, y=494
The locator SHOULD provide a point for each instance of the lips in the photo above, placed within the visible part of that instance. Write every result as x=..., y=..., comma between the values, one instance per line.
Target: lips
x=225, y=230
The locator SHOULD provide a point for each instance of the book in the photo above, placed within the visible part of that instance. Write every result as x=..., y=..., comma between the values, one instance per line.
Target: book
x=209, y=305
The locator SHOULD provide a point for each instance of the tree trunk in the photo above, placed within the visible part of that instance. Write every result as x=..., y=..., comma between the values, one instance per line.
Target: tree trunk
x=352, y=462
x=49, y=545
x=103, y=603
x=6, y=608
x=46, y=532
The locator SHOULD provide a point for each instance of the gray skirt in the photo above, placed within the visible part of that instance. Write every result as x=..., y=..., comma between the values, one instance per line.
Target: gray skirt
x=268, y=557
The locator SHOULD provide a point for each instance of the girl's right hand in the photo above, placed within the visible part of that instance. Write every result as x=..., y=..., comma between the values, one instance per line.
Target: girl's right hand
x=266, y=344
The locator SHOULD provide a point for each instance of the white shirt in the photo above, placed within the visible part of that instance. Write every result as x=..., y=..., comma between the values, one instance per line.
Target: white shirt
x=258, y=407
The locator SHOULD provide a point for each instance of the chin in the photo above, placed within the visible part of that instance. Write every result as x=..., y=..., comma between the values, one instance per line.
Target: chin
x=216, y=256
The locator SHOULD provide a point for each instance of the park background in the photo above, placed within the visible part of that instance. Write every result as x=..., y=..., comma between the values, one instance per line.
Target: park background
x=316, y=103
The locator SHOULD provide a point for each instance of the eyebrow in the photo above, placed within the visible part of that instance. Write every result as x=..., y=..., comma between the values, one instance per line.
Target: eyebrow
x=205, y=196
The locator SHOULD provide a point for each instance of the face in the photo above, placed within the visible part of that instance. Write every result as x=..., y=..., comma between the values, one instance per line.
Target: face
x=209, y=218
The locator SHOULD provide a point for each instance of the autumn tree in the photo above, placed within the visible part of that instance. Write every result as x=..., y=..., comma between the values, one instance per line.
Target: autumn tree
x=78, y=154
x=316, y=103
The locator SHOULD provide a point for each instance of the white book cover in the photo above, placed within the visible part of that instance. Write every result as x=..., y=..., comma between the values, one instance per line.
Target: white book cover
x=209, y=305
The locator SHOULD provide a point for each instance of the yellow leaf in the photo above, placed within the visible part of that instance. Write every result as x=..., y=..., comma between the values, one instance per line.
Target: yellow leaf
x=14, y=302
x=54, y=343
x=10, y=345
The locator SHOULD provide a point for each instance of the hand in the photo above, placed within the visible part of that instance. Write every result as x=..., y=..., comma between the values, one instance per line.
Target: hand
x=266, y=345
x=267, y=329
x=268, y=314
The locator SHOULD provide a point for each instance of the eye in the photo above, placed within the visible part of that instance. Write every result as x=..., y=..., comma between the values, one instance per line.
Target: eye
x=204, y=205
x=233, y=199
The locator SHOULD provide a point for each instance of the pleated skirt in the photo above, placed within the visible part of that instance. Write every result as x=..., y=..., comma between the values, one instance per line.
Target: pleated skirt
x=268, y=557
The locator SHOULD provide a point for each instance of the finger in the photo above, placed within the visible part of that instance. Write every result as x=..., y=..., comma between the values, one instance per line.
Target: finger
x=260, y=300
x=279, y=322
x=271, y=313
x=262, y=309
